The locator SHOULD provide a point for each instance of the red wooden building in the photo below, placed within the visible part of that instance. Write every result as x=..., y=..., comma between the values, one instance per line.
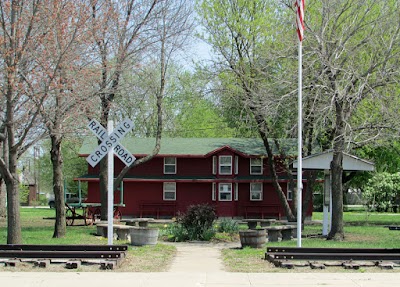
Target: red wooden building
x=231, y=174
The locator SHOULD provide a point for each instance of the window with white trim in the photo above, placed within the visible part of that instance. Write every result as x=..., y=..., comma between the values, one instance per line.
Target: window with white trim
x=256, y=191
x=256, y=166
x=225, y=164
x=225, y=192
x=169, y=191
x=169, y=165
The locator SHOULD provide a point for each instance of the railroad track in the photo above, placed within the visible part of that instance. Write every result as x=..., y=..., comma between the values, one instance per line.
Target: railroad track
x=63, y=252
x=278, y=255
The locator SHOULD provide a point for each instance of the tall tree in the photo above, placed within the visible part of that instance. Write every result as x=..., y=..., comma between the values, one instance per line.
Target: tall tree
x=244, y=35
x=123, y=32
x=63, y=68
x=119, y=35
x=20, y=35
x=353, y=52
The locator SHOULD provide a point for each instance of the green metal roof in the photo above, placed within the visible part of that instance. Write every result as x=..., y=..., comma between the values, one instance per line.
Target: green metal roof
x=193, y=146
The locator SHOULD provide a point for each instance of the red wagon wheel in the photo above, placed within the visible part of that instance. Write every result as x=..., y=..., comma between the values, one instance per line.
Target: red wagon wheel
x=70, y=216
x=117, y=214
x=97, y=214
x=89, y=217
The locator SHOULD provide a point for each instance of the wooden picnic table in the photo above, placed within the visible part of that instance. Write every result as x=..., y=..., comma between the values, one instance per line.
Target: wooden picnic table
x=142, y=222
x=252, y=223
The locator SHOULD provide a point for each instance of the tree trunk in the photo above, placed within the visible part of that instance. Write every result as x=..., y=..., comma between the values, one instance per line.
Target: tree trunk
x=103, y=173
x=311, y=176
x=2, y=199
x=337, y=231
x=57, y=162
x=271, y=163
x=103, y=179
x=13, y=208
x=3, y=191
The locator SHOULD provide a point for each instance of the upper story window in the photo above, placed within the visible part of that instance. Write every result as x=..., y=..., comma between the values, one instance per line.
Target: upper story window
x=225, y=164
x=225, y=192
x=256, y=166
x=256, y=191
x=170, y=165
x=169, y=191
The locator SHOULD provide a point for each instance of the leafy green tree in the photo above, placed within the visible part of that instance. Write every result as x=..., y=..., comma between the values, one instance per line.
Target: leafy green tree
x=382, y=191
x=353, y=50
x=73, y=166
x=251, y=67
x=192, y=111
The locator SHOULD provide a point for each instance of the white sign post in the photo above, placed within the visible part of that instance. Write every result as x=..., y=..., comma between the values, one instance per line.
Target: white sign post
x=110, y=139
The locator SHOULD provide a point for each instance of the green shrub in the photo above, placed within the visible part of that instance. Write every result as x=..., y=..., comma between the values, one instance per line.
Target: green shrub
x=382, y=191
x=228, y=225
x=174, y=232
x=198, y=221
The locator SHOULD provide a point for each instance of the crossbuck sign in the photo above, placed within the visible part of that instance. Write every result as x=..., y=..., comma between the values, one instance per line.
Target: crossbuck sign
x=110, y=141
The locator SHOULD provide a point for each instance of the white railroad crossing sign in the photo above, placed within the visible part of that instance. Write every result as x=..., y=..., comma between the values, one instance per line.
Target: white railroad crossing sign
x=110, y=141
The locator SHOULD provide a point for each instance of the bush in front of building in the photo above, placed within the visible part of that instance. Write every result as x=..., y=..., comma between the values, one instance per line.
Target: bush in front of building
x=174, y=232
x=196, y=224
x=198, y=221
x=227, y=225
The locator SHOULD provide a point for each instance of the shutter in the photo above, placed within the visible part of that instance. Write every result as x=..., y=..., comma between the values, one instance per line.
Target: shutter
x=236, y=164
x=236, y=196
x=214, y=165
x=214, y=195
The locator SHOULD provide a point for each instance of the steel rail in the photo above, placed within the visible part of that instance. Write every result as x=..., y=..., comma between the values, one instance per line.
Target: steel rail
x=26, y=247
x=333, y=256
x=60, y=254
x=331, y=250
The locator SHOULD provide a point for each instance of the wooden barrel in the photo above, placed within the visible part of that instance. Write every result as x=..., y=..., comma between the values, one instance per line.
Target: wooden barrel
x=144, y=236
x=255, y=238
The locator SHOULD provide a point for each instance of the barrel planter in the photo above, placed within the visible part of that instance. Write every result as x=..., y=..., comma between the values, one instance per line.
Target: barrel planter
x=255, y=238
x=144, y=236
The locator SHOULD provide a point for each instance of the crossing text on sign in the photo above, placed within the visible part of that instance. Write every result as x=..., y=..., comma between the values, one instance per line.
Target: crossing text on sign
x=109, y=142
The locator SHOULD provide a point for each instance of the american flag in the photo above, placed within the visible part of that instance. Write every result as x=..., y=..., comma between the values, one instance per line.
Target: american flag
x=300, y=18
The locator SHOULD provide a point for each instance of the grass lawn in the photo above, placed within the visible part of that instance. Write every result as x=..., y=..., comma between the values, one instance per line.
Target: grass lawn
x=361, y=231
x=37, y=230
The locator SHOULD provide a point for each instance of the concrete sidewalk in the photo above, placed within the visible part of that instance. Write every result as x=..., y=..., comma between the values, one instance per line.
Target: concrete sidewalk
x=197, y=279
x=199, y=257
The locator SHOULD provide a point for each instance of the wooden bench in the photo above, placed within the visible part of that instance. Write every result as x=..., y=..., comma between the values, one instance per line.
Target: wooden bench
x=252, y=223
x=262, y=210
x=281, y=232
x=121, y=231
x=158, y=209
x=141, y=222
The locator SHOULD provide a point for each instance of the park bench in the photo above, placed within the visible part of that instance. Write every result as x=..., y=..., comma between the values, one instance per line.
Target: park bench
x=280, y=232
x=252, y=223
x=121, y=231
x=157, y=209
x=262, y=210
x=141, y=222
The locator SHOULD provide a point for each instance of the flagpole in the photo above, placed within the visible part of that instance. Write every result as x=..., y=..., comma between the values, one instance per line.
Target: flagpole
x=299, y=5
x=299, y=152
